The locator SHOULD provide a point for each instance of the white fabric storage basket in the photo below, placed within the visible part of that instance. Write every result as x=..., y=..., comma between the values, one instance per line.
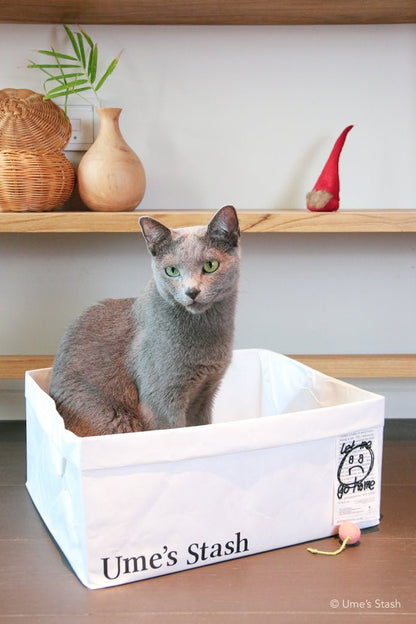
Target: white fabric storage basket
x=290, y=454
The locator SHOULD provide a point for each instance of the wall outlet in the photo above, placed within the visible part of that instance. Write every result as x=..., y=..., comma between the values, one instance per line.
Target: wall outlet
x=82, y=122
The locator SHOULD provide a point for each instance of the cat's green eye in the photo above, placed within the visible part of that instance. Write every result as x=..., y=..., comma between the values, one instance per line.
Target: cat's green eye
x=211, y=266
x=172, y=271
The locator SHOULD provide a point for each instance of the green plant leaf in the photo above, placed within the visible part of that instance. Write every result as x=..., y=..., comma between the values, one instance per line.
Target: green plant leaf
x=64, y=93
x=43, y=71
x=71, y=37
x=51, y=66
x=63, y=78
x=68, y=85
x=107, y=72
x=92, y=63
x=81, y=50
x=57, y=55
x=87, y=37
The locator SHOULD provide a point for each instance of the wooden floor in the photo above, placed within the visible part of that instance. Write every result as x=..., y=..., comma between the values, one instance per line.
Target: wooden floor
x=374, y=582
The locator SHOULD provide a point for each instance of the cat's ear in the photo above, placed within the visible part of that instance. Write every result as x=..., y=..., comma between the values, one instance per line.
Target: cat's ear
x=224, y=229
x=157, y=235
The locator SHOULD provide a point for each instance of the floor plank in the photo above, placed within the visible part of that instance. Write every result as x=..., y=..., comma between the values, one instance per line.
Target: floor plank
x=12, y=463
x=371, y=582
x=399, y=462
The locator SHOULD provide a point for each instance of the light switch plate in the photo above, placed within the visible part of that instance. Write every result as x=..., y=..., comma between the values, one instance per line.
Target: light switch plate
x=82, y=121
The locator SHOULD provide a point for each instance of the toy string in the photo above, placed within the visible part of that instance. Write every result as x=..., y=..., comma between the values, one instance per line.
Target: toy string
x=314, y=551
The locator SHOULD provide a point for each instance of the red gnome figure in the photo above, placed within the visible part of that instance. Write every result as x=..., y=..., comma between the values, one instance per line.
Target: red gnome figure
x=324, y=196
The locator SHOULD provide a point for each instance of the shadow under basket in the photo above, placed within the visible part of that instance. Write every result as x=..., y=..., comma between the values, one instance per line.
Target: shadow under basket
x=34, y=180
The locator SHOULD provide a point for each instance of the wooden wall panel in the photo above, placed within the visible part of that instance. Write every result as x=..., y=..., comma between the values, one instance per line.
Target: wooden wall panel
x=209, y=11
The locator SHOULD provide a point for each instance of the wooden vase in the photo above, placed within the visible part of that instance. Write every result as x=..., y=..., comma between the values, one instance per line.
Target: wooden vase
x=111, y=177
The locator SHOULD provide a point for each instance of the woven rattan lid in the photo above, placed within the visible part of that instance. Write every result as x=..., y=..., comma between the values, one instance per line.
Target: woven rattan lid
x=28, y=122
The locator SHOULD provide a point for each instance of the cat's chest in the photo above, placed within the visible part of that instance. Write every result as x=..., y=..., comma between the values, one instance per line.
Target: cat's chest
x=194, y=345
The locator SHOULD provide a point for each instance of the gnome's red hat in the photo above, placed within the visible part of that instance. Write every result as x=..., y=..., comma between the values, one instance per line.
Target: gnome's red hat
x=324, y=196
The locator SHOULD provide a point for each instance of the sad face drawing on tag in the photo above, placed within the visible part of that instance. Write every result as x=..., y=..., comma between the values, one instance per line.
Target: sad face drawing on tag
x=356, y=464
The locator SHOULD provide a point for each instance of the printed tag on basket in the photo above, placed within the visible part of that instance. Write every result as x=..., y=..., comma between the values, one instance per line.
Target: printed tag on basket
x=356, y=486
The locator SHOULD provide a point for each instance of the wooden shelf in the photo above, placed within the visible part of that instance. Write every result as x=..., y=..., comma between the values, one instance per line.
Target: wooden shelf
x=341, y=366
x=362, y=366
x=209, y=12
x=289, y=221
x=14, y=366
x=296, y=221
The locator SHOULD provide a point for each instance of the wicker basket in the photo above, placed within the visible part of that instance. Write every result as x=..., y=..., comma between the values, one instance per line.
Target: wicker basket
x=34, y=181
x=34, y=174
x=28, y=122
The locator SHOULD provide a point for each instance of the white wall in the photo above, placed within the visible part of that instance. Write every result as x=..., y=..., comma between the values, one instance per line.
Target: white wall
x=243, y=115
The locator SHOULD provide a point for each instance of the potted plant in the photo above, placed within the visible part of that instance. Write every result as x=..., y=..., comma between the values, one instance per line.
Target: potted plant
x=110, y=175
x=76, y=73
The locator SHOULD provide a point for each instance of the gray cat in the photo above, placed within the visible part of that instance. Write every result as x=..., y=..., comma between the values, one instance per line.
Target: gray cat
x=155, y=362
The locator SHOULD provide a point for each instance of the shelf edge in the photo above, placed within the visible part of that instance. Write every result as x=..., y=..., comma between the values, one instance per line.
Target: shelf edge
x=389, y=366
x=251, y=221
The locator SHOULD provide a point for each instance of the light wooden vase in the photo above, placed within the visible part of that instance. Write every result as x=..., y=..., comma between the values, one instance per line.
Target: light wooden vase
x=111, y=177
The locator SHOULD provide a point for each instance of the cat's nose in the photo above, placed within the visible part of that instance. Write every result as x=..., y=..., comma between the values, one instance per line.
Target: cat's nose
x=192, y=293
